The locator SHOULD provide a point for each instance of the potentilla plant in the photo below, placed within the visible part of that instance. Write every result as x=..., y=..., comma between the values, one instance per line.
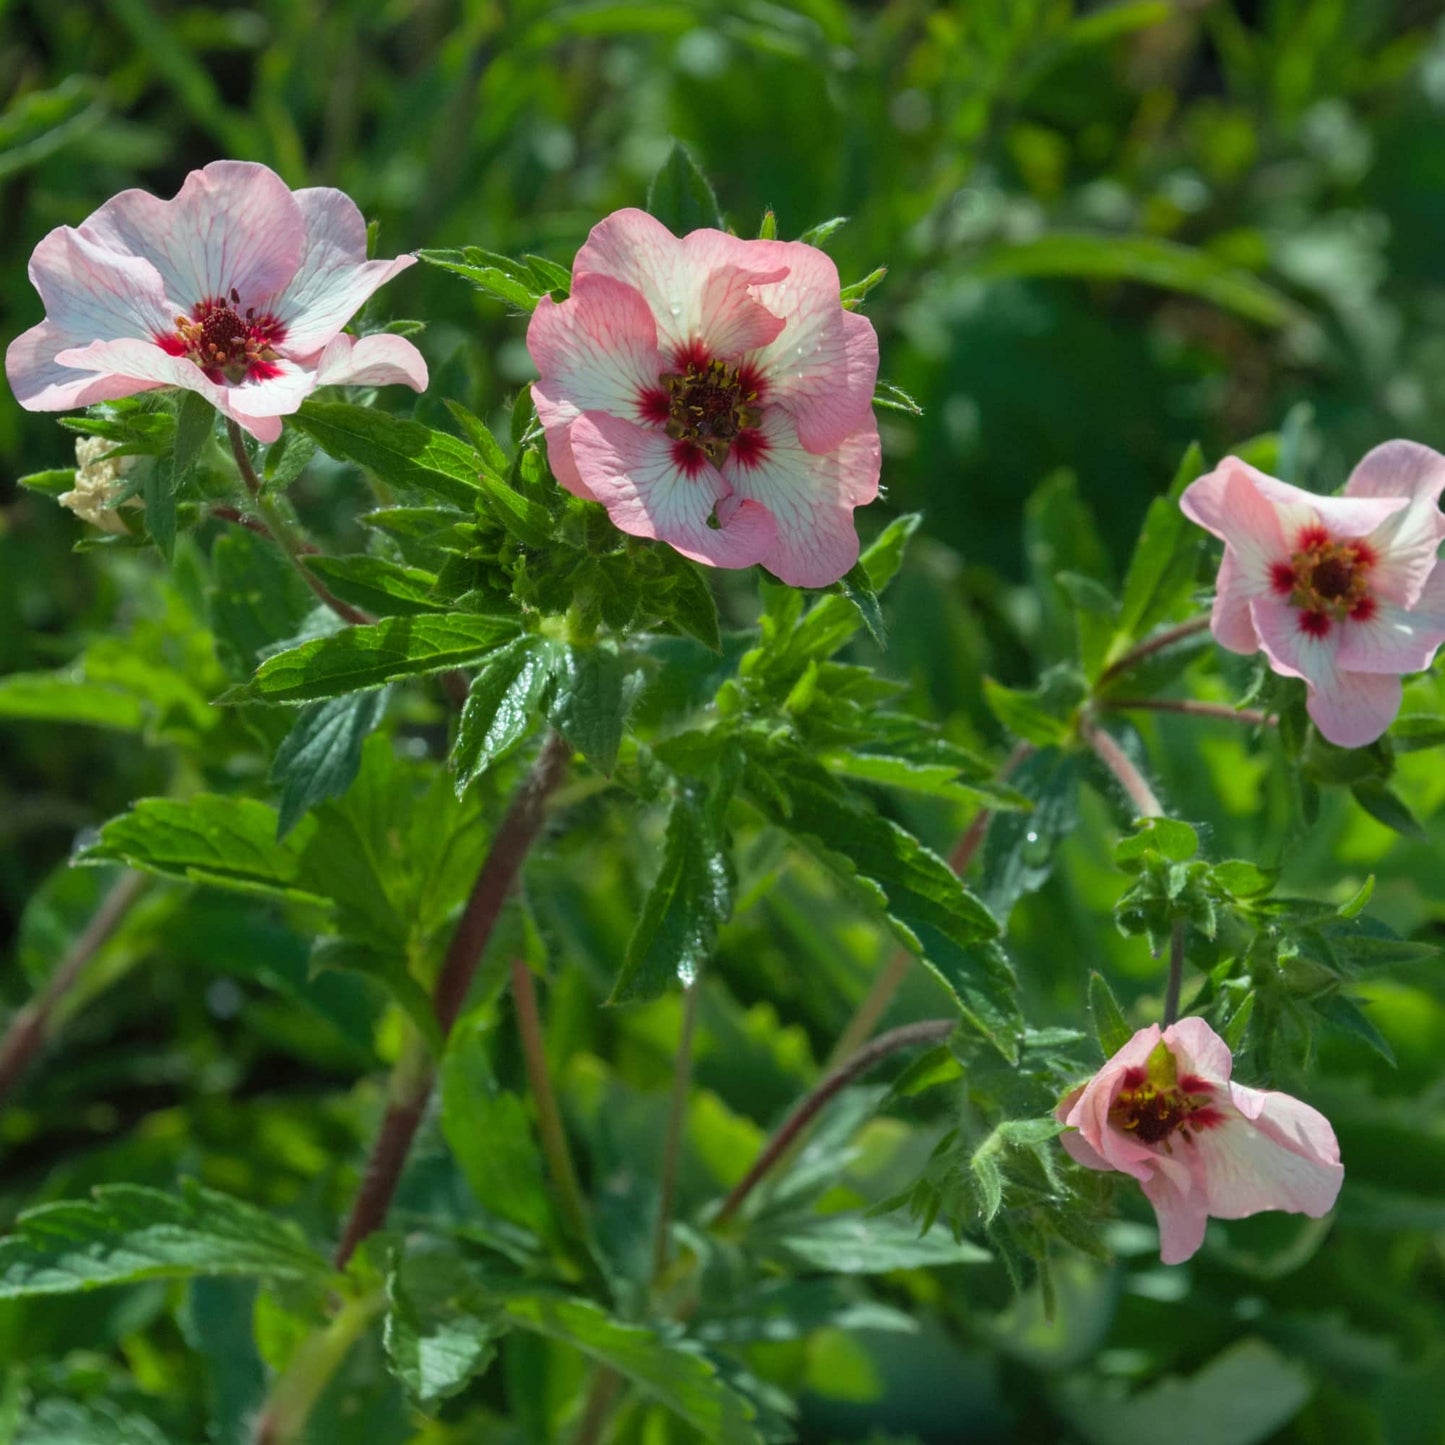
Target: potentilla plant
x=548, y=687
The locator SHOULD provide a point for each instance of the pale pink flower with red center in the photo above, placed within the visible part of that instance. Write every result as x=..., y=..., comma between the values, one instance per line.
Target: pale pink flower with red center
x=714, y=393
x=237, y=289
x=1164, y=1110
x=1345, y=592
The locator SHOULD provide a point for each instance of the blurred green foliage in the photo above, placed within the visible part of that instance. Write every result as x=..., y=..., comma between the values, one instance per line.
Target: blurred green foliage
x=1109, y=231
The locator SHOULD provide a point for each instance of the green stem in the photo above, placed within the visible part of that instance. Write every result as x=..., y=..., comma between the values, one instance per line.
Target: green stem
x=930, y=1031
x=1176, y=972
x=295, y=1394
x=284, y=535
x=549, y=1117
x=672, y=1144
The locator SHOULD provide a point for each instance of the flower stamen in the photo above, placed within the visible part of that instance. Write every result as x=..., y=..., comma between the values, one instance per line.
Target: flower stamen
x=227, y=346
x=710, y=405
x=1327, y=580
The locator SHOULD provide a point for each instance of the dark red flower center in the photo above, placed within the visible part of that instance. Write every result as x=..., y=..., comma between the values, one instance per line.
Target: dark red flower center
x=1327, y=580
x=712, y=410
x=226, y=345
x=1156, y=1102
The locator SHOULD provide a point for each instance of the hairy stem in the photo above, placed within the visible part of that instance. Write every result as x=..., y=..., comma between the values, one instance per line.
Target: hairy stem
x=672, y=1143
x=1176, y=972
x=549, y=1116
x=283, y=534
x=1129, y=777
x=30, y=1028
x=930, y=1031
x=1252, y=717
x=515, y=835
x=296, y=1392
x=1151, y=645
x=859, y=1028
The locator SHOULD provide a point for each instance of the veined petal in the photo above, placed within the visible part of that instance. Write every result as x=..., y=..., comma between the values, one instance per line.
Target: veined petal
x=1230, y=619
x=1293, y=1164
x=94, y=294
x=334, y=279
x=1399, y=469
x=145, y=363
x=41, y=383
x=1292, y=651
x=1082, y=1152
x=810, y=495
x=1408, y=543
x=1231, y=502
x=379, y=360
x=1395, y=640
x=232, y=224
x=1197, y=1049
x=1357, y=707
x=1183, y=1215
x=732, y=320
x=632, y=471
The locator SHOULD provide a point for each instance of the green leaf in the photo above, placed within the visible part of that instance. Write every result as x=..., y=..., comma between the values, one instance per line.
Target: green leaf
x=857, y=587
x=931, y=780
x=97, y=1422
x=195, y=418
x=365, y=657
x=1360, y=900
x=894, y=398
x=50, y=483
x=509, y=688
x=158, y=494
x=321, y=755
x=287, y=458
x=528, y=521
x=1411, y=733
x=1162, y=569
x=1386, y=806
x=514, y=282
x=1242, y=879
x=66, y=697
x=206, y=839
x=479, y=434
x=854, y=295
x=863, y=1244
x=378, y=955
x=128, y=1233
x=385, y=588
x=437, y=1339
x=681, y=197
x=402, y=453
x=693, y=606
x=595, y=687
x=679, y=1379
x=489, y=1133
x=1169, y=837
x=1234, y=1031
x=688, y=902
x=1018, y=854
x=36, y=126
x=1147, y=259
x=1024, y=715
x=1110, y=1026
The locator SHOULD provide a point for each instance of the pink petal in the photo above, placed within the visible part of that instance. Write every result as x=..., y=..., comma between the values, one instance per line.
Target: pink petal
x=334, y=279
x=1291, y=651
x=40, y=383
x=1408, y=543
x=811, y=497
x=379, y=360
x=1197, y=1049
x=731, y=320
x=232, y=224
x=1082, y=1152
x=1356, y=709
x=94, y=294
x=1088, y=1109
x=1284, y=1157
x=1231, y=502
x=1394, y=640
x=633, y=248
x=823, y=367
x=1399, y=469
x=632, y=471
x=1230, y=620
x=1183, y=1215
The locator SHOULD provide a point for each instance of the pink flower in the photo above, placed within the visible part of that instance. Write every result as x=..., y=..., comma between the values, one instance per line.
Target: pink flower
x=1344, y=592
x=714, y=393
x=238, y=289
x=1163, y=1110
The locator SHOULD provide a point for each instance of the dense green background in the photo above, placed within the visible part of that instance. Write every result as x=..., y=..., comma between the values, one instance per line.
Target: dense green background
x=1021, y=167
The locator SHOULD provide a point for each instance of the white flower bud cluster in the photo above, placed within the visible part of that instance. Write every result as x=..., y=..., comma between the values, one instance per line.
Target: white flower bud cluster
x=97, y=479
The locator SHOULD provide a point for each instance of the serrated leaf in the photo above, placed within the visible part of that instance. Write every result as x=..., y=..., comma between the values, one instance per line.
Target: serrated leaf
x=693, y=606
x=1023, y=714
x=367, y=657
x=857, y=587
x=1169, y=837
x=509, y=688
x=321, y=755
x=688, y=902
x=127, y=1233
x=490, y=1135
x=195, y=417
x=1111, y=1028
x=681, y=1380
x=528, y=521
x=385, y=588
x=287, y=458
x=158, y=494
x=680, y=195
x=402, y=453
x=1018, y=854
x=1243, y=879
x=500, y=277
x=479, y=434
x=207, y=838
x=594, y=690
x=436, y=1339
